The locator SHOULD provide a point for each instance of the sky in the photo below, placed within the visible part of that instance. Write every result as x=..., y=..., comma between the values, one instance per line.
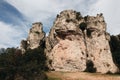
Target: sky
x=17, y=16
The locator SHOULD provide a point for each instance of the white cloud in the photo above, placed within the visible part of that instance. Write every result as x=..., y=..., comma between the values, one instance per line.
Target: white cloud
x=45, y=11
x=111, y=11
x=37, y=10
x=9, y=35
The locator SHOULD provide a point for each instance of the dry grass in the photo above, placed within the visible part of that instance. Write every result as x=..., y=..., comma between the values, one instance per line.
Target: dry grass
x=81, y=76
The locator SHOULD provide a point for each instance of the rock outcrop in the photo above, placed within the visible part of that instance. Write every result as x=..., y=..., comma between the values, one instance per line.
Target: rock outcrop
x=65, y=44
x=77, y=43
x=97, y=44
x=35, y=38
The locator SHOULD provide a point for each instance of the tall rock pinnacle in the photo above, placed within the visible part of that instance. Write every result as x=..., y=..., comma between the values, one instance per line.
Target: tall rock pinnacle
x=35, y=37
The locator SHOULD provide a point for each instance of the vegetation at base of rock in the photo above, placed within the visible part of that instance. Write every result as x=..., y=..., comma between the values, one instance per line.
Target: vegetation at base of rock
x=115, y=48
x=17, y=66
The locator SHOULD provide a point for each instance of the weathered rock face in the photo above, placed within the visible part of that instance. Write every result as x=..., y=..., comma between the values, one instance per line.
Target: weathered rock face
x=35, y=38
x=65, y=44
x=77, y=43
x=97, y=43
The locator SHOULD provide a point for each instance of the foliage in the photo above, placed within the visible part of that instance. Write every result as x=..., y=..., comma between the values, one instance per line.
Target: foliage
x=2, y=50
x=115, y=48
x=28, y=65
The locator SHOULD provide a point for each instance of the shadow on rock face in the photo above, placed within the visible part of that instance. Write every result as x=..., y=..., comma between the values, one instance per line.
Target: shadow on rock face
x=83, y=26
x=90, y=67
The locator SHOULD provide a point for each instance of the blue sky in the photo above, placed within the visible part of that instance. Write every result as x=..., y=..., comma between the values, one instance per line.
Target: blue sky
x=16, y=16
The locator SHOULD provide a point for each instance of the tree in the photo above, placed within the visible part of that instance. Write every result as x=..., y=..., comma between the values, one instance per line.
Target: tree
x=28, y=66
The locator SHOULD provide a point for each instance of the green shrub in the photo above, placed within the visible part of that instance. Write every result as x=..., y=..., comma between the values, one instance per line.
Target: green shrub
x=28, y=66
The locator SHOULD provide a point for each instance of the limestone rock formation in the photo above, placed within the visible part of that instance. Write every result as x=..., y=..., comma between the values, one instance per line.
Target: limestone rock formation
x=65, y=44
x=97, y=44
x=35, y=38
x=77, y=43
